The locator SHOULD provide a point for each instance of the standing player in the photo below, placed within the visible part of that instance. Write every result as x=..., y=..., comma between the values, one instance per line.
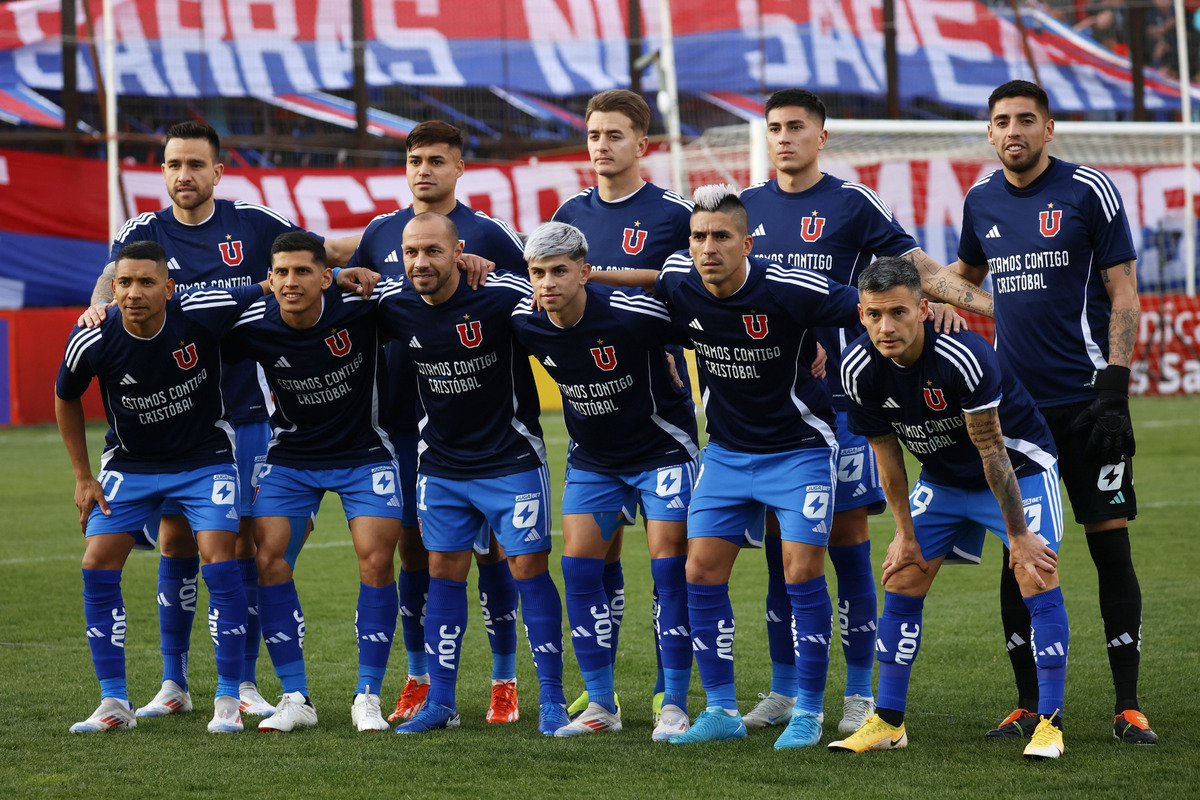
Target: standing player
x=633, y=440
x=988, y=463
x=158, y=362
x=321, y=352
x=1057, y=241
x=209, y=243
x=482, y=459
x=812, y=220
x=771, y=444
x=629, y=224
x=434, y=167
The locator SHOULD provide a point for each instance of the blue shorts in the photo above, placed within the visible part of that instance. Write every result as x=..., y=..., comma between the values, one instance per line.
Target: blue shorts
x=857, y=475
x=663, y=493
x=250, y=450
x=734, y=489
x=406, y=460
x=366, y=491
x=207, y=496
x=455, y=514
x=951, y=522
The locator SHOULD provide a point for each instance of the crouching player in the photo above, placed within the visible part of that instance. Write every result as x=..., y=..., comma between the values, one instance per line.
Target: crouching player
x=633, y=440
x=321, y=353
x=946, y=398
x=158, y=362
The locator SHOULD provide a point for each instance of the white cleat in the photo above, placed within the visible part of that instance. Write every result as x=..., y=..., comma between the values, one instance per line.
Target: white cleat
x=594, y=719
x=856, y=710
x=294, y=711
x=366, y=713
x=672, y=721
x=772, y=709
x=227, y=717
x=251, y=702
x=112, y=714
x=171, y=699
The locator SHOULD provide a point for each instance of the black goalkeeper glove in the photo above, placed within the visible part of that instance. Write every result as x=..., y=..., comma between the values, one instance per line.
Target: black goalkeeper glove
x=1108, y=419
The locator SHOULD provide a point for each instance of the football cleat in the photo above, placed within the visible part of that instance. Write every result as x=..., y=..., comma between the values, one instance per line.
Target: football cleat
x=365, y=712
x=171, y=699
x=412, y=698
x=111, y=715
x=772, y=709
x=595, y=719
x=1131, y=727
x=227, y=716
x=432, y=717
x=1046, y=742
x=503, y=707
x=656, y=704
x=713, y=725
x=875, y=734
x=551, y=717
x=581, y=703
x=1020, y=724
x=251, y=702
x=294, y=711
x=803, y=729
x=856, y=709
x=671, y=722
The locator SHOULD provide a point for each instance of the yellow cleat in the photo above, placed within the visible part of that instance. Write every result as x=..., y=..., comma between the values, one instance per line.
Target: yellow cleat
x=875, y=734
x=1046, y=742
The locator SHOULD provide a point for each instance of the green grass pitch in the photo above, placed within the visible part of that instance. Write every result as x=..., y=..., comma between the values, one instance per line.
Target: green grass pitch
x=961, y=686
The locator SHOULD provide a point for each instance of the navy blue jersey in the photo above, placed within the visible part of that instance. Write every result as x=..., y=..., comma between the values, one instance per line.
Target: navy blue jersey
x=620, y=404
x=754, y=350
x=162, y=395
x=636, y=232
x=923, y=404
x=1045, y=246
x=479, y=403
x=230, y=248
x=325, y=381
x=835, y=228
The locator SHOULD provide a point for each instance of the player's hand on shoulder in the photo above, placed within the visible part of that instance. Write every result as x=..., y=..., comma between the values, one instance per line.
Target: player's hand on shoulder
x=818, y=365
x=675, y=372
x=476, y=268
x=94, y=315
x=946, y=319
x=89, y=493
x=358, y=279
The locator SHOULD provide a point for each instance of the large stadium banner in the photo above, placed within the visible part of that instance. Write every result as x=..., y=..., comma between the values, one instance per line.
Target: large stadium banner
x=950, y=51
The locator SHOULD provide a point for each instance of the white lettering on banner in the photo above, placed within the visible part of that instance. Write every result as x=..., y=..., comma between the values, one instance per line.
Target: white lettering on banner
x=930, y=19
x=491, y=183
x=390, y=189
x=133, y=61
x=184, y=44
x=572, y=40
x=438, y=57
x=837, y=42
x=531, y=180
x=793, y=68
x=313, y=191
x=240, y=187
x=255, y=44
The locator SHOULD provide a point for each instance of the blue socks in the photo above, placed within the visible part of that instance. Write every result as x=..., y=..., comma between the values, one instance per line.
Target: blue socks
x=779, y=622
x=813, y=627
x=445, y=622
x=591, y=626
x=614, y=588
x=498, y=600
x=541, y=608
x=671, y=624
x=856, y=613
x=414, y=589
x=226, y=623
x=711, y=615
x=177, y=582
x=104, y=614
x=897, y=648
x=283, y=630
x=249, y=573
x=375, y=627
x=1051, y=639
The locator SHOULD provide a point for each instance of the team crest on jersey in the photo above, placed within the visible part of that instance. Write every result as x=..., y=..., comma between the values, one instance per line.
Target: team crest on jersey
x=934, y=399
x=756, y=325
x=811, y=227
x=605, y=357
x=339, y=342
x=470, y=333
x=231, y=252
x=1051, y=221
x=634, y=241
x=185, y=356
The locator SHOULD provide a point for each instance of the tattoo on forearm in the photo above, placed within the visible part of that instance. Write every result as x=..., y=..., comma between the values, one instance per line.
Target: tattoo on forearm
x=1122, y=334
x=985, y=433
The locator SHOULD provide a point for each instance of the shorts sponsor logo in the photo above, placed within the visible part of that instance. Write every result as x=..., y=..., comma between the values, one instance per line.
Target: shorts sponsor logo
x=670, y=479
x=1110, y=478
x=525, y=513
x=816, y=504
x=224, y=491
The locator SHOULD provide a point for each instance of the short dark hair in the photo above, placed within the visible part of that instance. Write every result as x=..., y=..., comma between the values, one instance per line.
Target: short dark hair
x=144, y=250
x=434, y=131
x=299, y=242
x=1020, y=89
x=193, y=129
x=721, y=199
x=886, y=273
x=451, y=228
x=797, y=97
x=631, y=104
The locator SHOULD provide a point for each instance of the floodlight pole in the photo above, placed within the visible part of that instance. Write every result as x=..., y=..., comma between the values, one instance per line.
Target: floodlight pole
x=668, y=99
x=1187, y=244
x=112, y=153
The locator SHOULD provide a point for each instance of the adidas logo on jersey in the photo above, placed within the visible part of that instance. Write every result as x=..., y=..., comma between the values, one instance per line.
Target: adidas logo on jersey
x=128, y=380
x=282, y=363
x=392, y=258
x=414, y=343
x=677, y=503
x=993, y=232
x=549, y=362
x=759, y=231
x=695, y=323
x=890, y=403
